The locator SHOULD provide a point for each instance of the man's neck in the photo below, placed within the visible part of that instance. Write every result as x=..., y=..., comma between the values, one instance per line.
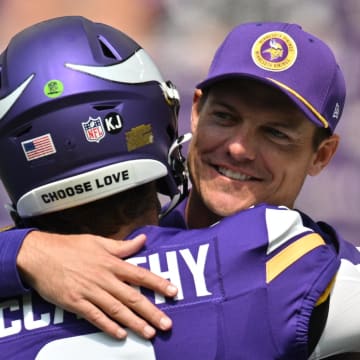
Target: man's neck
x=197, y=214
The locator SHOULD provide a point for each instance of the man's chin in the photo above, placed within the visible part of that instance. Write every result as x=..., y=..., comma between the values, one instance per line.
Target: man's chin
x=227, y=206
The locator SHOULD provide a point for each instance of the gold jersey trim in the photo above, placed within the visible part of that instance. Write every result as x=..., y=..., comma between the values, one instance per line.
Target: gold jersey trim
x=285, y=258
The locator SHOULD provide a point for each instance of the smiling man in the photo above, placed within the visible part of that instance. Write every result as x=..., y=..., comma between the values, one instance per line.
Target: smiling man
x=253, y=141
x=251, y=145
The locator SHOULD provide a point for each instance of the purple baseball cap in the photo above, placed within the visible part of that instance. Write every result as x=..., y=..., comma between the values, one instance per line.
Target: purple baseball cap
x=284, y=56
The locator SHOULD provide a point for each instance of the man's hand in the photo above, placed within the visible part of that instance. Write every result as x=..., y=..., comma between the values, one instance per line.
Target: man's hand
x=84, y=274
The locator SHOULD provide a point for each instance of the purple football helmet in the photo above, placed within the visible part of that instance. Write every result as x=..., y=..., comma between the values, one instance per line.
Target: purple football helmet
x=84, y=113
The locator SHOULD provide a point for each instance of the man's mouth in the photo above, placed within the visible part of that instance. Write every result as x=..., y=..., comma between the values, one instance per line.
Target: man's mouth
x=233, y=174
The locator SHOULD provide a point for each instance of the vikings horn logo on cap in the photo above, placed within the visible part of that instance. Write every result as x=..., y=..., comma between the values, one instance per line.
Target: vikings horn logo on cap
x=274, y=51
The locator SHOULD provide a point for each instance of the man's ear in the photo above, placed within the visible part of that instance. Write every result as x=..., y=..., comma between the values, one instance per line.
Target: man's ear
x=195, y=110
x=324, y=154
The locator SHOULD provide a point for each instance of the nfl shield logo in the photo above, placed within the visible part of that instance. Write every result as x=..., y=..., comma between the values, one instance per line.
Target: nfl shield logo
x=93, y=129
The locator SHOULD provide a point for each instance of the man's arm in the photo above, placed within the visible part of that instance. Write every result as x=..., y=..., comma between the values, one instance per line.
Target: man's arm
x=85, y=275
x=10, y=281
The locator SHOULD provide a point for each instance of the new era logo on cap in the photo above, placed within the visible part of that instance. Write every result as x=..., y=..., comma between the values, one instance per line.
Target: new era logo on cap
x=286, y=57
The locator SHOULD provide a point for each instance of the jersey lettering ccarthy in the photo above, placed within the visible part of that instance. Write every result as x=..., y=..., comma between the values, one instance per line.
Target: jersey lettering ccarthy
x=247, y=287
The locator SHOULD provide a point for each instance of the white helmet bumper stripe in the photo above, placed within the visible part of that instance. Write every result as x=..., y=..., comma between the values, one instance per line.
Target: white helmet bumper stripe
x=124, y=72
x=90, y=186
x=7, y=102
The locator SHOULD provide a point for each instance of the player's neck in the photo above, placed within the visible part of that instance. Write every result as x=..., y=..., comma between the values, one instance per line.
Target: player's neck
x=149, y=218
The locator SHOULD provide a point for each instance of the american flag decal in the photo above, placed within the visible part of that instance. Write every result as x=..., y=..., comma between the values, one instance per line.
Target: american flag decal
x=38, y=147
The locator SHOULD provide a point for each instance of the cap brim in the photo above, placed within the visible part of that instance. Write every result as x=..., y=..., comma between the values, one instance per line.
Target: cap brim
x=308, y=110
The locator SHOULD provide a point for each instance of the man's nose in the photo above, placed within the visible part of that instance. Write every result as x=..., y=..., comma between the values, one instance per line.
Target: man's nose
x=242, y=145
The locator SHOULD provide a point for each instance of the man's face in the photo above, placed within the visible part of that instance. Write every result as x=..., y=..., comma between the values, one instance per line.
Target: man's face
x=250, y=145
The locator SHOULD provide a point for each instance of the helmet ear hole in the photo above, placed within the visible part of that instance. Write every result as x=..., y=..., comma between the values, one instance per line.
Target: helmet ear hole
x=22, y=131
x=105, y=106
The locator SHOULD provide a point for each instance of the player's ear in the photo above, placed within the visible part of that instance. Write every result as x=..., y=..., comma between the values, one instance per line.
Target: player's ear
x=195, y=109
x=324, y=154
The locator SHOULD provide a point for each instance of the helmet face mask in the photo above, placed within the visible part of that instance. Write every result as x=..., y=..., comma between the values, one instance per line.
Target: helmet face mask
x=77, y=97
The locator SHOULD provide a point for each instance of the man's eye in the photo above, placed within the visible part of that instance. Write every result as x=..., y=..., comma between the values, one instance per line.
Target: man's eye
x=223, y=117
x=221, y=114
x=276, y=133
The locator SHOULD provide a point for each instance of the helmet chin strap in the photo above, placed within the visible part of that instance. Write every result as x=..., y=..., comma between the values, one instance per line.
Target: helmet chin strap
x=173, y=202
x=11, y=209
x=180, y=171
